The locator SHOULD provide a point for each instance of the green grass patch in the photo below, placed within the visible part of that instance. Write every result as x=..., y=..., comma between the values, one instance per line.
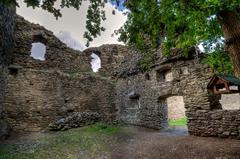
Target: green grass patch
x=72, y=144
x=178, y=122
x=102, y=128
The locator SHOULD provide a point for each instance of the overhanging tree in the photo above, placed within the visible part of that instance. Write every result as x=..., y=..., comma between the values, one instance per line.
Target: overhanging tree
x=185, y=23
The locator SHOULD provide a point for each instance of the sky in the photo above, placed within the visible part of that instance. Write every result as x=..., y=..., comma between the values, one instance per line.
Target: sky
x=71, y=27
x=72, y=23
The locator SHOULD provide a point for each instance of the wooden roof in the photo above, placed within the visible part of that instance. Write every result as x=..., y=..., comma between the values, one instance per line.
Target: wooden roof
x=232, y=80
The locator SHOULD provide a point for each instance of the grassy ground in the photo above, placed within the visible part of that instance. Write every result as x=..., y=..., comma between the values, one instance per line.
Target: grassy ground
x=70, y=144
x=179, y=122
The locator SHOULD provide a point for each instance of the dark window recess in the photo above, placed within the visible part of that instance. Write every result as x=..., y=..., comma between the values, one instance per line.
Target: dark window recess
x=147, y=76
x=13, y=71
x=133, y=95
x=161, y=77
x=164, y=75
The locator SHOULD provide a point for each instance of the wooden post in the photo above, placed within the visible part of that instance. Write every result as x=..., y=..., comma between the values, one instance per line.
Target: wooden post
x=215, y=89
x=227, y=86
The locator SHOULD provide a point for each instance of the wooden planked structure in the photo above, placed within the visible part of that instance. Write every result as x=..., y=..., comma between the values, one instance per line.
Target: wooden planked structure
x=224, y=84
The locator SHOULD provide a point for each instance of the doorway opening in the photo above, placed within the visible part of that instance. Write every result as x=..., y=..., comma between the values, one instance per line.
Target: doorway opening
x=176, y=111
x=172, y=111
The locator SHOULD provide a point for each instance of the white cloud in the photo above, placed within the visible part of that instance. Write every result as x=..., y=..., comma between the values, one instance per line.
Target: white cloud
x=66, y=38
x=74, y=21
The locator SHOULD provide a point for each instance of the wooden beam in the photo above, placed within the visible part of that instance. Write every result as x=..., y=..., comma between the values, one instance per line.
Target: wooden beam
x=227, y=92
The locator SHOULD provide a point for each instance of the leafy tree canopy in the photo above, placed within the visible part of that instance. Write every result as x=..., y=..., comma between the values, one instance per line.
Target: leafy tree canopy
x=179, y=24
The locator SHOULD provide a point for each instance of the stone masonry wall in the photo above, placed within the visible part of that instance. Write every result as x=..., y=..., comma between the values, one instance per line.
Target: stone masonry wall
x=110, y=55
x=7, y=24
x=217, y=123
x=41, y=92
x=7, y=21
x=35, y=93
x=36, y=98
x=151, y=111
x=190, y=79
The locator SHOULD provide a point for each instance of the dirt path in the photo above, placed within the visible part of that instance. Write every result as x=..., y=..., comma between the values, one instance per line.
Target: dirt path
x=174, y=144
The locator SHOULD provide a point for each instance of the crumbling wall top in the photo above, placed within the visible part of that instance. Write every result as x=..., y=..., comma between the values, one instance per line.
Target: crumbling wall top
x=57, y=56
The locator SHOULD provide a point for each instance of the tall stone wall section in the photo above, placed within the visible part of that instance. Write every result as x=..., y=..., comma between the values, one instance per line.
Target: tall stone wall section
x=7, y=24
x=40, y=92
x=36, y=98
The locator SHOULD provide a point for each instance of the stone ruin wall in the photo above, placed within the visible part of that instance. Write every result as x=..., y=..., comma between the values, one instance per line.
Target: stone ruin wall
x=37, y=98
x=110, y=55
x=40, y=92
x=150, y=110
x=7, y=21
x=204, y=112
x=58, y=56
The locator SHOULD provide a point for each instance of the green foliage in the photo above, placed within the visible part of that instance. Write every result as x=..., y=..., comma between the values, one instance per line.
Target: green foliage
x=178, y=122
x=144, y=25
x=145, y=62
x=102, y=128
x=176, y=24
x=219, y=61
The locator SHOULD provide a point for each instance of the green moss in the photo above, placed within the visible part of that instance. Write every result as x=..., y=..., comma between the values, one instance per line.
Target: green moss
x=63, y=145
x=178, y=122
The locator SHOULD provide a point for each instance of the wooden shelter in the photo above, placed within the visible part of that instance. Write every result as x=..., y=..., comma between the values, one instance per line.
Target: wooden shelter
x=224, y=84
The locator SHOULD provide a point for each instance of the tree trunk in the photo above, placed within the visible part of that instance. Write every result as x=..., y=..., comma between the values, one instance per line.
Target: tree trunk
x=230, y=24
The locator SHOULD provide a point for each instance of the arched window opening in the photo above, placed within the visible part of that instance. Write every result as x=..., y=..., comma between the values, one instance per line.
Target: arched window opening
x=95, y=62
x=38, y=51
